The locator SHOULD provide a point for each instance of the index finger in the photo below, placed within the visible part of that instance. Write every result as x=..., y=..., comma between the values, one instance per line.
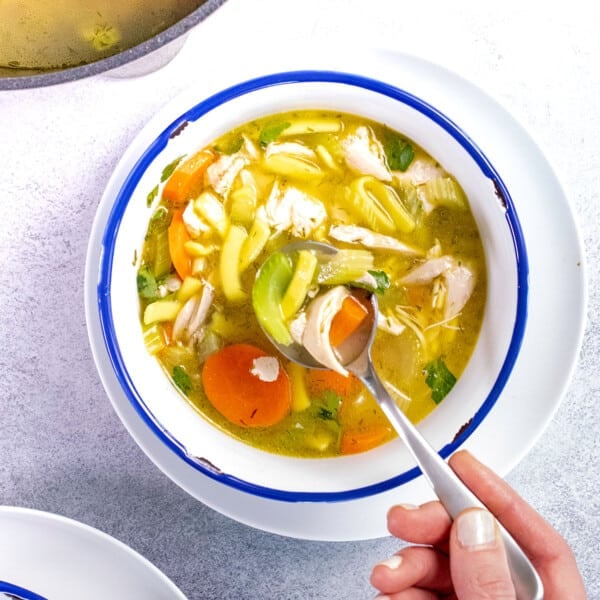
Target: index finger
x=538, y=539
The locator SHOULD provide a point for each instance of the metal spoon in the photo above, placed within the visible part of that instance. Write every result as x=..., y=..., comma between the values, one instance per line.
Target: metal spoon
x=355, y=355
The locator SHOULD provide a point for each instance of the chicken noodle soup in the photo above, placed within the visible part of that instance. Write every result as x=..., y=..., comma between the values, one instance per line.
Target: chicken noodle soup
x=403, y=229
x=66, y=33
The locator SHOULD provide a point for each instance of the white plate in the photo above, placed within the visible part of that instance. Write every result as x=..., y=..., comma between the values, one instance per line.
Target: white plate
x=56, y=557
x=557, y=296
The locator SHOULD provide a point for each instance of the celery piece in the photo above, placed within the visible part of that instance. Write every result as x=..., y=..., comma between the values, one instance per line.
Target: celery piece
x=367, y=207
x=161, y=310
x=154, y=338
x=161, y=264
x=179, y=356
x=255, y=242
x=389, y=199
x=229, y=263
x=272, y=280
x=346, y=266
x=444, y=191
x=380, y=206
x=296, y=292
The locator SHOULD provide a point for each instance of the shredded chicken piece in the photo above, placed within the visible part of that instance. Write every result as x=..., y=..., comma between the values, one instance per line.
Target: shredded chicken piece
x=319, y=316
x=428, y=271
x=188, y=324
x=459, y=281
x=290, y=208
x=365, y=154
x=353, y=234
x=222, y=173
x=420, y=171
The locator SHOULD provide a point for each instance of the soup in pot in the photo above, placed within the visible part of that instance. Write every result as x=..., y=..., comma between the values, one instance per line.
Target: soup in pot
x=66, y=33
x=404, y=231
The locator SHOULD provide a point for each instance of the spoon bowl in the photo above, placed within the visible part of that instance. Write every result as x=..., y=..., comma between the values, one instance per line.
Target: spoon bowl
x=355, y=356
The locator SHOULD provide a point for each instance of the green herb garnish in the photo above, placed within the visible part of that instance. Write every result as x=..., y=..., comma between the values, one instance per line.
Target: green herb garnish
x=168, y=170
x=152, y=195
x=398, y=151
x=271, y=131
x=146, y=284
x=159, y=221
x=382, y=281
x=182, y=379
x=439, y=378
x=328, y=406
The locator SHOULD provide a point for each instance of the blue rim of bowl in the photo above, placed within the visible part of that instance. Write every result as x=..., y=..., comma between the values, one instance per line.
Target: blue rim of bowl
x=19, y=592
x=194, y=113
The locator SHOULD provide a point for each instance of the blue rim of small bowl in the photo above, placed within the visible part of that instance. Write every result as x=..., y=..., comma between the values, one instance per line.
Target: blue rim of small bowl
x=194, y=113
x=19, y=592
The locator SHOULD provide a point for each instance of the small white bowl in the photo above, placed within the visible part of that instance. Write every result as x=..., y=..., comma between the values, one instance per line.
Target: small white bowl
x=234, y=463
x=47, y=556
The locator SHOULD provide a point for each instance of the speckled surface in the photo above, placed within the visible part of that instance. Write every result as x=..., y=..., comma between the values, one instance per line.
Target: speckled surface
x=62, y=447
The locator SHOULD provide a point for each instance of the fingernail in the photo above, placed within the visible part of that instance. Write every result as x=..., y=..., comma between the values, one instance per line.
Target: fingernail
x=382, y=598
x=409, y=506
x=393, y=562
x=476, y=530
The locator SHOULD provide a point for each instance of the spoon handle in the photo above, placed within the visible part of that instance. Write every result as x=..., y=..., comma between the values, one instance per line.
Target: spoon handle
x=452, y=492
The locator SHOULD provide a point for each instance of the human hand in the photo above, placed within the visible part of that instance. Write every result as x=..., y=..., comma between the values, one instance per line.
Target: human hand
x=465, y=559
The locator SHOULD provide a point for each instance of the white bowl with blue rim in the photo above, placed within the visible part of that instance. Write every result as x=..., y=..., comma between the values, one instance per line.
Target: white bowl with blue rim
x=169, y=416
x=44, y=556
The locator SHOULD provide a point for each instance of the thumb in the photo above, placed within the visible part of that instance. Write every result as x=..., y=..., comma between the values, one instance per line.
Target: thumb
x=478, y=563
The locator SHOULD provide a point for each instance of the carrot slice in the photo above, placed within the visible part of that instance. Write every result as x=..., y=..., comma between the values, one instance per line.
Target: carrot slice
x=187, y=181
x=178, y=235
x=324, y=380
x=347, y=320
x=362, y=439
x=241, y=396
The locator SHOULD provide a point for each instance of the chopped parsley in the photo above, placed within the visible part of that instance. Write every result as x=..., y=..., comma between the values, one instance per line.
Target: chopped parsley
x=168, y=170
x=152, y=195
x=382, y=281
x=146, y=284
x=439, y=378
x=328, y=406
x=271, y=131
x=182, y=379
x=398, y=151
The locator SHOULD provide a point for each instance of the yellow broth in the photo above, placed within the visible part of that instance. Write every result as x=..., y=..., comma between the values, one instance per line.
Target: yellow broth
x=65, y=33
x=418, y=364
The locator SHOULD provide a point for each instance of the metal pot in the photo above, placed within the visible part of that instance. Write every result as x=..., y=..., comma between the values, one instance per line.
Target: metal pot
x=144, y=57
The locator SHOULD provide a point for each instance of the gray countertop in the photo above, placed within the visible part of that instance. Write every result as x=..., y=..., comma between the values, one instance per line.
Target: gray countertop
x=64, y=450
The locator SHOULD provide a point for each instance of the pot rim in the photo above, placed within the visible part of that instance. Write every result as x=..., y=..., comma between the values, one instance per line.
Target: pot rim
x=46, y=78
